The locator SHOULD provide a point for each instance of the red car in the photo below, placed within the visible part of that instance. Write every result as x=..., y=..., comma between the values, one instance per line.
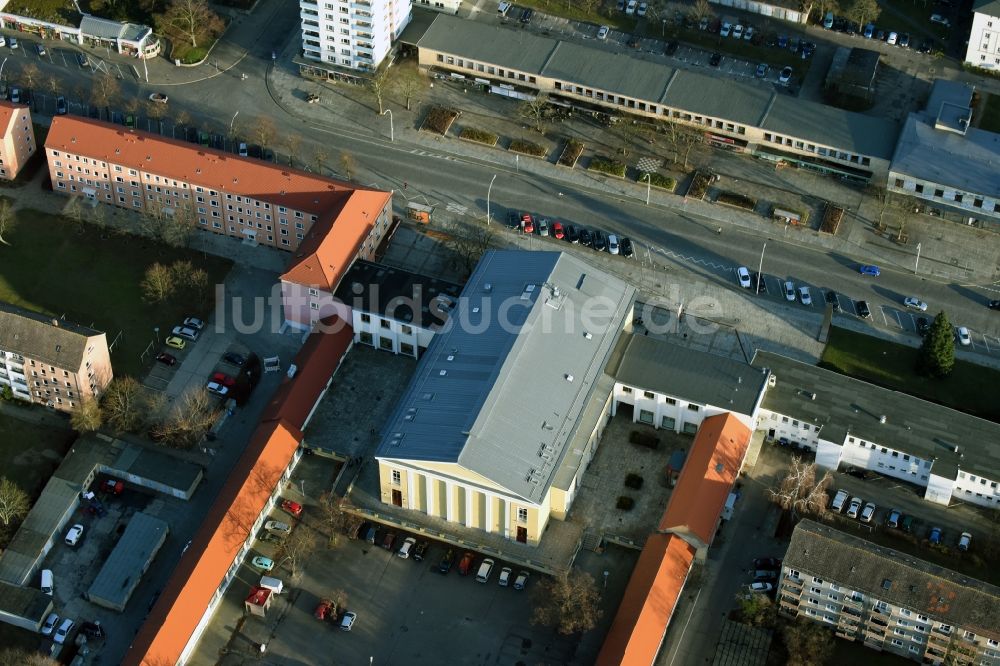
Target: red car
x=166, y=359
x=324, y=610
x=466, y=564
x=527, y=224
x=558, y=231
x=291, y=507
x=113, y=486
x=223, y=379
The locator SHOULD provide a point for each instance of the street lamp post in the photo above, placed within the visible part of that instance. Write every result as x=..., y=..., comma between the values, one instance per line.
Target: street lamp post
x=1, y=68
x=649, y=185
x=760, y=268
x=663, y=32
x=233, y=121
x=392, y=132
x=488, y=191
x=917, y=262
x=517, y=163
x=156, y=332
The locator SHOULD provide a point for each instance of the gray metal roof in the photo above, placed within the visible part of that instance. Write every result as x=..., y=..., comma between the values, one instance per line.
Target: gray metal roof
x=912, y=426
x=93, y=26
x=897, y=578
x=27, y=602
x=970, y=163
x=123, y=569
x=988, y=7
x=392, y=292
x=502, y=386
x=663, y=367
x=632, y=75
x=43, y=337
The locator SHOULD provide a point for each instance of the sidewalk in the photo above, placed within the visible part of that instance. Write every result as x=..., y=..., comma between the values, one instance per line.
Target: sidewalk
x=948, y=251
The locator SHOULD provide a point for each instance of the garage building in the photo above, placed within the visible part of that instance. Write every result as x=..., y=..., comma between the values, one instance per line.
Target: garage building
x=124, y=568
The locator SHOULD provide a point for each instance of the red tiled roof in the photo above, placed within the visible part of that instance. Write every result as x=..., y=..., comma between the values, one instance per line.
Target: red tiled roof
x=707, y=477
x=212, y=169
x=8, y=112
x=315, y=364
x=173, y=619
x=650, y=598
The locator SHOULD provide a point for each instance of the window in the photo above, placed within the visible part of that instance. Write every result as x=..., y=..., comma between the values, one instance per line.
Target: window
x=366, y=318
x=406, y=330
x=670, y=401
x=648, y=394
x=522, y=515
x=397, y=477
x=693, y=408
x=626, y=389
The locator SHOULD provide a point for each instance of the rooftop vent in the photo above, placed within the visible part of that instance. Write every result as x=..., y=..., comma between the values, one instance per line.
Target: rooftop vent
x=475, y=310
x=568, y=377
x=487, y=287
x=772, y=380
x=812, y=396
x=442, y=373
x=719, y=467
x=886, y=584
x=588, y=335
x=451, y=357
x=881, y=419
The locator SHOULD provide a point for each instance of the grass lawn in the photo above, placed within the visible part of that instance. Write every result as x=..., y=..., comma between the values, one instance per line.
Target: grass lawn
x=52, y=267
x=969, y=388
x=31, y=452
x=990, y=118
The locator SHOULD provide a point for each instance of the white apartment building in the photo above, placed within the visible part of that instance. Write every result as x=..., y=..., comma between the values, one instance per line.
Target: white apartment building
x=855, y=424
x=347, y=37
x=984, y=40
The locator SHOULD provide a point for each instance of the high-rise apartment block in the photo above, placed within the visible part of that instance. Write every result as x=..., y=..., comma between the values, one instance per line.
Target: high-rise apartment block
x=346, y=38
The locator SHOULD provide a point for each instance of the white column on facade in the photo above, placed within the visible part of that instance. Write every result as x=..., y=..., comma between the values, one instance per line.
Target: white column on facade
x=411, y=493
x=449, y=501
x=505, y=517
x=488, y=498
x=429, y=495
x=468, y=507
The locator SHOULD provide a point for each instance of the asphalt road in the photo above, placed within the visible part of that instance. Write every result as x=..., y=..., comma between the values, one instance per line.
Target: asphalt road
x=671, y=234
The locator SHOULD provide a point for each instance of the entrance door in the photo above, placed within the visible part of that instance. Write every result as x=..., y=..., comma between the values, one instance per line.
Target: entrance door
x=522, y=535
x=397, y=497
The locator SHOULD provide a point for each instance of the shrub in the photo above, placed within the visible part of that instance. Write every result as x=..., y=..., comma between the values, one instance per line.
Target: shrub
x=609, y=166
x=633, y=480
x=699, y=185
x=571, y=153
x=625, y=503
x=660, y=181
x=479, y=136
x=528, y=148
x=737, y=200
x=644, y=439
x=832, y=217
x=439, y=120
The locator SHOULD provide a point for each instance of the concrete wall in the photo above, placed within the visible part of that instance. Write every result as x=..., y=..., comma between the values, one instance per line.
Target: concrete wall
x=975, y=205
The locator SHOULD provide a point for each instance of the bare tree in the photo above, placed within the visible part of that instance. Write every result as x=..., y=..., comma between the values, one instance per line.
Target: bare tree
x=8, y=220
x=31, y=73
x=124, y=404
x=702, y=9
x=298, y=547
x=158, y=284
x=20, y=657
x=569, y=602
x=801, y=491
x=183, y=118
x=74, y=211
x=87, y=417
x=862, y=11
x=757, y=610
x=193, y=19
x=469, y=243
x=264, y=130
x=321, y=156
x=52, y=84
x=808, y=643
x=337, y=516
x=339, y=599
x=536, y=111
x=348, y=165
x=172, y=225
x=627, y=131
x=379, y=85
x=155, y=110
x=105, y=90
x=293, y=142
x=14, y=503
x=409, y=81
x=188, y=419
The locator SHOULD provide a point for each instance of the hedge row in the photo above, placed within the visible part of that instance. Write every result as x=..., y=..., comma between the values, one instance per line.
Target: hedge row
x=479, y=136
x=571, y=153
x=608, y=166
x=528, y=148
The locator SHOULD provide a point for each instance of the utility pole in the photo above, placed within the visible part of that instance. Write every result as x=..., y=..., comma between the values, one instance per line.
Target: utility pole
x=488, y=191
x=917, y=262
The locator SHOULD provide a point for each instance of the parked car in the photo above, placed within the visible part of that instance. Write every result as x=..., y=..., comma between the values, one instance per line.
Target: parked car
x=558, y=231
x=543, y=226
x=964, y=541
x=347, y=621
x=93, y=629
x=765, y=574
x=785, y=76
x=963, y=336
x=485, y=569
x=505, y=576
x=242, y=149
x=894, y=517
x=767, y=563
x=935, y=535
x=293, y=508
x=388, y=540
x=868, y=512
x=234, y=359
x=863, y=310
x=50, y=624
x=217, y=388
x=586, y=238
x=832, y=299
x=613, y=246
x=222, y=379
x=748, y=35
x=854, y=508
x=13, y=42
x=444, y=566
x=869, y=31
x=671, y=47
x=195, y=323
x=15, y=93
x=904, y=40
x=166, y=359
x=726, y=30
x=526, y=16
x=828, y=21
x=743, y=276
x=175, y=342
x=602, y=32
x=130, y=121
x=804, y=296
x=641, y=11
x=278, y=527
x=941, y=20
x=74, y=535
x=572, y=235
x=263, y=563
x=993, y=305
x=82, y=59
x=185, y=332
x=159, y=98
x=600, y=241
x=420, y=551
x=761, y=70
x=406, y=549
x=64, y=630
x=626, y=247
x=527, y=224
x=61, y=108
x=760, y=587
x=892, y=39
x=466, y=564
x=839, y=501
x=790, y=291
x=40, y=49
x=759, y=283
x=323, y=610
x=630, y=7
x=923, y=325
x=521, y=580
x=737, y=31
x=715, y=59
x=915, y=303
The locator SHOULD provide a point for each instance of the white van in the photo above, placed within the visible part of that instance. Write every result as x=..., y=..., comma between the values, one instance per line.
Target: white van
x=839, y=501
x=485, y=569
x=503, y=8
x=47, y=581
x=273, y=584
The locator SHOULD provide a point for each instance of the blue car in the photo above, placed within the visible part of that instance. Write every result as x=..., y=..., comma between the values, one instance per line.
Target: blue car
x=935, y=535
x=872, y=270
x=869, y=31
